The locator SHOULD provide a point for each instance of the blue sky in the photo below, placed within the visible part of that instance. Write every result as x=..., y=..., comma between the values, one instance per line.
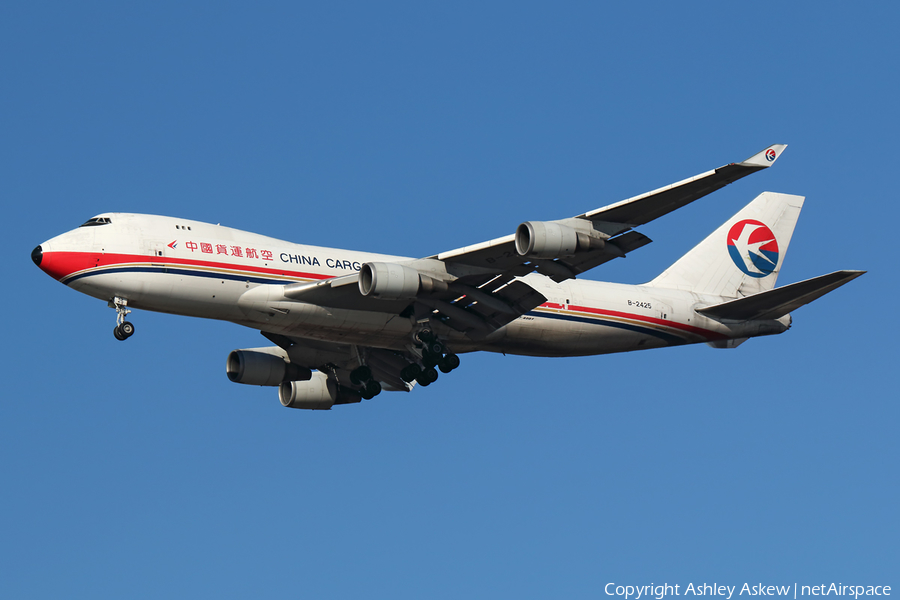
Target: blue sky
x=138, y=470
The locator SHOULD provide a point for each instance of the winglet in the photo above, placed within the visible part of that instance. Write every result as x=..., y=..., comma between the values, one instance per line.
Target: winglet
x=766, y=158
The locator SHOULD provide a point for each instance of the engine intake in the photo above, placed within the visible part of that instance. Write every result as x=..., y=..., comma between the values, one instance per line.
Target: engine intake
x=389, y=281
x=319, y=393
x=543, y=239
x=257, y=367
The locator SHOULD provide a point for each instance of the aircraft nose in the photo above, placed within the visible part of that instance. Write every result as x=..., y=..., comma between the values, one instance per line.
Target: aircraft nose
x=37, y=255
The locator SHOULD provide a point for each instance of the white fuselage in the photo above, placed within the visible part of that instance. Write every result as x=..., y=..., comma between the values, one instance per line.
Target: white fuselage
x=197, y=269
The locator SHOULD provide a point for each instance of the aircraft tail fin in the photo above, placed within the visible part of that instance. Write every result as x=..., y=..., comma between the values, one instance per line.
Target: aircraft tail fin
x=742, y=257
x=778, y=302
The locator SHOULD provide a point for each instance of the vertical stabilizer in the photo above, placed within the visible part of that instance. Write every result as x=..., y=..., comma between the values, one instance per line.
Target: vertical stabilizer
x=742, y=257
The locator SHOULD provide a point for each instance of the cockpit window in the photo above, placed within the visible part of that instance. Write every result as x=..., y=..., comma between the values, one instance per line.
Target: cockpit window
x=96, y=221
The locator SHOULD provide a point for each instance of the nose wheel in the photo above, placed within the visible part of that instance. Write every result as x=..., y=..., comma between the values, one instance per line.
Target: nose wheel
x=124, y=329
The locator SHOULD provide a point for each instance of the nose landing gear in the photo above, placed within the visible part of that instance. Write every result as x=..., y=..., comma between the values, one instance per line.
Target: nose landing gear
x=124, y=329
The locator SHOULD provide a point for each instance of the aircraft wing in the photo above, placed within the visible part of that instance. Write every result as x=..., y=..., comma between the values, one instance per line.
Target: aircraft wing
x=475, y=289
x=338, y=360
x=611, y=224
x=475, y=304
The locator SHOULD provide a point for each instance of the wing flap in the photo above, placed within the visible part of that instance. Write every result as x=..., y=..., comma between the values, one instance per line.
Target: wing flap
x=618, y=247
x=477, y=312
x=339, y=360
x=778, y=302
x=474, y=304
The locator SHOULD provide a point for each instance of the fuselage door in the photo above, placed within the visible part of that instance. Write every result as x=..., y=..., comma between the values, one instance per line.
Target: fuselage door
x=156, y=248
x=660, y=308
x=663, y=310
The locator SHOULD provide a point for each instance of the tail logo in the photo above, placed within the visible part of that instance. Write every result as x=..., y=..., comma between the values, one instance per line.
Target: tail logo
x=753, y=248
x=770, y=155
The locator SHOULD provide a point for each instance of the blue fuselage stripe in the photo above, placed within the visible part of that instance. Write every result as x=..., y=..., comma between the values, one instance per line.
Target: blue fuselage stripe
x=176, y=271
x=673, y=340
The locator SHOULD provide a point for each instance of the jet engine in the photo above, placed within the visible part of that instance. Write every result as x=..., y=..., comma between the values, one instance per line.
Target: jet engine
x=389, y=281
x=544, y=239
x=258, y=366
x=318, y=393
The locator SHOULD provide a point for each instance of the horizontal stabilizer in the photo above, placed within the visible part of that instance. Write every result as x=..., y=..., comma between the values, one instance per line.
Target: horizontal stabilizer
x=778, y=302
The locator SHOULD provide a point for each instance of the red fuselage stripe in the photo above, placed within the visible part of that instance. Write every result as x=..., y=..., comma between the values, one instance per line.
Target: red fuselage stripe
x=624, y=315
x=62, y=264
x=674, y=324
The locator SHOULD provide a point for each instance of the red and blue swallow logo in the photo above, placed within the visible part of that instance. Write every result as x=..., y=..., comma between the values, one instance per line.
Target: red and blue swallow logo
x=753, y=248
x=770, y=155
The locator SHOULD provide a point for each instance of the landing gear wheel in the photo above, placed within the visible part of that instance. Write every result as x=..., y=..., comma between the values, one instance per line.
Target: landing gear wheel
x=373, y=388
x=427, y=377
x=436, y=347
x=410, y=372
x=425, y=336
x=452, y=361
x=448, y=363
x=127, y=329
x=430, y=360
x=124, y=329
x=360, y=374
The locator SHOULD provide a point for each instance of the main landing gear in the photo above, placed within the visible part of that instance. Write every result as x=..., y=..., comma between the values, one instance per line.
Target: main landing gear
x=434, y=354
x=362, y=376
x=124, y=329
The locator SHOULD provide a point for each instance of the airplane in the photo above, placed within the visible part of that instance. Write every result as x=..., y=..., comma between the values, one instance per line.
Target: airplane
x=346, y=325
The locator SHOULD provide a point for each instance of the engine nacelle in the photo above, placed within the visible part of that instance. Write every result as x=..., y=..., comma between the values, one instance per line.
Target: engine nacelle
x=319, y=393
x=543, y=239
x=258, y=367
x=388, y=281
